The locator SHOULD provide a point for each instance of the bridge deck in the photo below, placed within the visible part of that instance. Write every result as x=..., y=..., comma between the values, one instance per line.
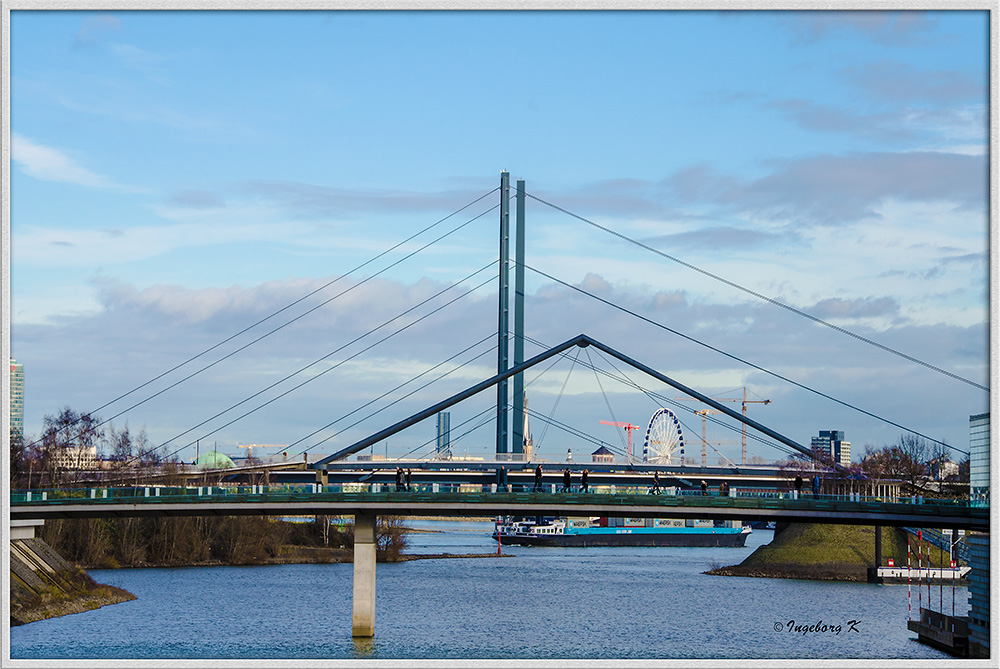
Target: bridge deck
x=357, y=498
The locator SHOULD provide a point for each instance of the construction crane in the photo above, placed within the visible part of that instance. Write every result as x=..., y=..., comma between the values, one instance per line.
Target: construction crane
x=628, y=427
x=704, y=437
x=744, y=401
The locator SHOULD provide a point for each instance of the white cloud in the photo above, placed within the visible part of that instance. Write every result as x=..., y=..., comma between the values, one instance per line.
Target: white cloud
x=48, y=164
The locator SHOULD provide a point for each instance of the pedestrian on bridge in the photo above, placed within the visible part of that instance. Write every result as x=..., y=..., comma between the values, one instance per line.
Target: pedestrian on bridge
x=656, y=484
x=816, y=485
x=399, y=480
x=583, y=481
x=538, y=479
x=704, y=487
x=798, y=484
x=408, y=488
x=502, y=479
x=567, y=480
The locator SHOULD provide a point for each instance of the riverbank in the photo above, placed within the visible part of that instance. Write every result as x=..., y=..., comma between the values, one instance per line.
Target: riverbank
x=824, y=552
x=44, y=585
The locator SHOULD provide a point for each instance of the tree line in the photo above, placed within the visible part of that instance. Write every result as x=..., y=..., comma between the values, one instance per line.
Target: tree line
x=41, y=462
x=111, y=543
x=910, y=459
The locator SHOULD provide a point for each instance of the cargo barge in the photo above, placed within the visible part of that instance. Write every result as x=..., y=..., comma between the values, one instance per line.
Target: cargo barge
x=614, y=532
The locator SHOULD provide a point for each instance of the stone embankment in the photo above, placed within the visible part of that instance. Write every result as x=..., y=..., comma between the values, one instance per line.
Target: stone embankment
x=43, y=585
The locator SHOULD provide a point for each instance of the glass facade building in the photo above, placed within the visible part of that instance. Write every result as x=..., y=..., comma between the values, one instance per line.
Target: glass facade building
x=979, y=457
x=16, y=396
x=831, y=444
x=443, y=450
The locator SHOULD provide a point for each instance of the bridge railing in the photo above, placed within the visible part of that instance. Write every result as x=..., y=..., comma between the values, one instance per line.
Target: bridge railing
x=668, y=496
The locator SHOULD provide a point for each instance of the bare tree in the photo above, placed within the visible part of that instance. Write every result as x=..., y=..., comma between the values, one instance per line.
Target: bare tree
x=68, y=430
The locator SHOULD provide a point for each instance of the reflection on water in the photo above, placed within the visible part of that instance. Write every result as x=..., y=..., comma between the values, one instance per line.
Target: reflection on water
x=364, y=647
x=553, y=603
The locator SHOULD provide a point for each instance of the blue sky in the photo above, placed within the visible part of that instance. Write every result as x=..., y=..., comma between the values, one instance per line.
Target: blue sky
x=176, y=176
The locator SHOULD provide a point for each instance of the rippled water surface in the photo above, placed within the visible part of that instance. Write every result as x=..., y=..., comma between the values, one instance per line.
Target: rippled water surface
x=652, y=603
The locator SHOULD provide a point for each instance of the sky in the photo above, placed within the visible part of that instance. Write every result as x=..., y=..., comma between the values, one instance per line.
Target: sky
x=178, y=176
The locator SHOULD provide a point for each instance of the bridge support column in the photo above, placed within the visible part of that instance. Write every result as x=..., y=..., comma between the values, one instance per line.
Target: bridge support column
x=363, y=620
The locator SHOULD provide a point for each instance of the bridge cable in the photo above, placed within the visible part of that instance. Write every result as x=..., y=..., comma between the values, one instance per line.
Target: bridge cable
x=431, y=441
x=659, y=400
x=745, y=362
x=607, y=403
x=545, y=429
x=763, y=297
x=389, y=392
x=490, y=336
x=285, y=308
x=302, y=315
x=579, y=434
x=351, y=357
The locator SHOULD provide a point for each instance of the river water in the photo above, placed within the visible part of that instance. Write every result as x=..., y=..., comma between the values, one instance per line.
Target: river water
x=541, y=603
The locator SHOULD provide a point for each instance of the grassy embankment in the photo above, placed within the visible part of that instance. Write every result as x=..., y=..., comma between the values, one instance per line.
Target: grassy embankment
x=828, y=552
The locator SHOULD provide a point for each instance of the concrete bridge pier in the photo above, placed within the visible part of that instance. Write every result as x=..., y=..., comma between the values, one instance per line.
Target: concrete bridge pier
x=363, y=620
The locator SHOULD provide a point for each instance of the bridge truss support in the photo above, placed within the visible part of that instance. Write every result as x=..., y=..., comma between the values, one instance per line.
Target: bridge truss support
x=363, y=619
x=581, y=341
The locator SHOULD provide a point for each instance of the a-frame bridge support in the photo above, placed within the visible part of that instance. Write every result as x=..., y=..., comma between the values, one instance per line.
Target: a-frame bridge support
x=363, y=623
x=581, y=341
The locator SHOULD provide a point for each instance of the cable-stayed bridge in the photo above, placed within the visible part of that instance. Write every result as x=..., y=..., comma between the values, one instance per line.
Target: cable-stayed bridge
x=365, y=504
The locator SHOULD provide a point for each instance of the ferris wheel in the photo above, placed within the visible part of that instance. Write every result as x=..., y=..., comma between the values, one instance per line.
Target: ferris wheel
x=664, y=443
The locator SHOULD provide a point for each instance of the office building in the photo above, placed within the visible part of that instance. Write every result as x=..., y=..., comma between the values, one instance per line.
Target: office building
x=979, y=457
x=830, y=445
x=443, y=450
x=17, y=396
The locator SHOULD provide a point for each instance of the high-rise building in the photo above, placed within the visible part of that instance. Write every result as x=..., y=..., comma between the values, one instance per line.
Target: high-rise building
x=979, y=457
x=17, y=396
x=443, y=451
x=979, y=543
x=830, y=444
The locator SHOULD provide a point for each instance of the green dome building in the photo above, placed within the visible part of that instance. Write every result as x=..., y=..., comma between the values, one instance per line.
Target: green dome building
x=213, y=460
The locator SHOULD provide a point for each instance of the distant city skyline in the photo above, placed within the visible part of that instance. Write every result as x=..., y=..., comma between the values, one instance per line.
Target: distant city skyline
x=177, y=176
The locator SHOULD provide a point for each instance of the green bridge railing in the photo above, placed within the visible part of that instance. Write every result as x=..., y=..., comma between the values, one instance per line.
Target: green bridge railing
x=431, y=492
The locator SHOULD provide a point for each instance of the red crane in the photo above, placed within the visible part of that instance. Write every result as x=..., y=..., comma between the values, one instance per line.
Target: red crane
x=629, y=427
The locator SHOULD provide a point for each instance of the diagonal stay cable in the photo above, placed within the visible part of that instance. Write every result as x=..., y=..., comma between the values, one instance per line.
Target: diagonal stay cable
x=545, y=429
x=332, y=367
x=658, y=399
x=302, y=315
x=485, y=421
x=389, y=392
x=742, y=361
x=292, y=304
x=607, y=402
x=763, y=297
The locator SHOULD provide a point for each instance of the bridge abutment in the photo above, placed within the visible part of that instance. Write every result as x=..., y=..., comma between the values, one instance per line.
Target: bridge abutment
x=363, y=619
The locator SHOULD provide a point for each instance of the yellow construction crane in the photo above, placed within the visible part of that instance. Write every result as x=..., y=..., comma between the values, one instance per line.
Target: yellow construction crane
x=744, y=401
x=704, y=437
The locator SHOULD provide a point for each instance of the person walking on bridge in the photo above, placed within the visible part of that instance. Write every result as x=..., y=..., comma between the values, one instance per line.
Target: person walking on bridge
x=538, y=479
x=704, y=487
x=583, y=481
x=408, y=488
x=399, y=480
x=816, y=484
x=798, y=485
x=567, y=480
x=655, y=490
x=502, y=479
